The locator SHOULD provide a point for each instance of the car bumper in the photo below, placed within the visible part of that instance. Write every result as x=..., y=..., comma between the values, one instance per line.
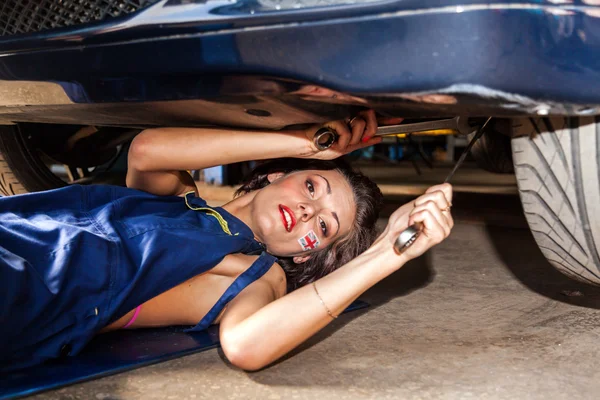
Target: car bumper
x=218, y=58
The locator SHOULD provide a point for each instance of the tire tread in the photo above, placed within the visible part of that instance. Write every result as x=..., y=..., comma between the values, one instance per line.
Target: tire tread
x=547, y=153
x=582, y=196
x=21, y=168
x=9, y=184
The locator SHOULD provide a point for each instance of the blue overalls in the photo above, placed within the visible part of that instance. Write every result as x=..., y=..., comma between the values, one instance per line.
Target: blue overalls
x=73, y=260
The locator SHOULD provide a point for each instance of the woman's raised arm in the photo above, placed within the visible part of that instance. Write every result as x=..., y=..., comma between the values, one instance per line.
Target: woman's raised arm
x=157, y=156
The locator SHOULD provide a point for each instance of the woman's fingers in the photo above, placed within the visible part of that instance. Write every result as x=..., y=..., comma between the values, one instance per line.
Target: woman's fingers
x=432, y=212
x=437, y=196
x=343, y=132
x=358, y=128
x=439, y=215
x=362, y=145
x=441, y=195
x=445, y=188
x=371, y=124
x=432, y=229
x=448, y=215
x=352, y=135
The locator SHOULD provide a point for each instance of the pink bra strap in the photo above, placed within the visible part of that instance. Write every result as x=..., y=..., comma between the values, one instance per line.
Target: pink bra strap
x=135, y=315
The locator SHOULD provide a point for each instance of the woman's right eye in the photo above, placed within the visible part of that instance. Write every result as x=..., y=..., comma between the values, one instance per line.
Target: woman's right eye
x=310, y=187
x=323, y=227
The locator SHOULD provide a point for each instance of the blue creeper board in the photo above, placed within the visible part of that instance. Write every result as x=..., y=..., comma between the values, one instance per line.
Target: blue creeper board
x=114, y=352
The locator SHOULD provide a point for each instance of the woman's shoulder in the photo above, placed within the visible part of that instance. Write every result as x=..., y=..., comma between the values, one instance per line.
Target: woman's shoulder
x=275, y=276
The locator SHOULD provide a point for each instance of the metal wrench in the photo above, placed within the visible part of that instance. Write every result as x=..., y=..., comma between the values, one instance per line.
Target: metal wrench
x=408, y=236
x=326, y=137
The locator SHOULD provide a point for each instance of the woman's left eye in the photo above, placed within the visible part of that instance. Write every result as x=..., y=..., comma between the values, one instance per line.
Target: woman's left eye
x=323, y=227
x=310, y=188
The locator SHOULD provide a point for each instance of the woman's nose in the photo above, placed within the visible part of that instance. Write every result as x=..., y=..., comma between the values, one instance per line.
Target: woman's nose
x=307, y=210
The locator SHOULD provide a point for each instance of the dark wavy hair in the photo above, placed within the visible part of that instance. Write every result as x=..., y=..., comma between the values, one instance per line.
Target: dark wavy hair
x=368, y=199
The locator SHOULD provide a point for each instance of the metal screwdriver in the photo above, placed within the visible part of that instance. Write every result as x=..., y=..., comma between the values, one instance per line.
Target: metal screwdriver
x=408, y=236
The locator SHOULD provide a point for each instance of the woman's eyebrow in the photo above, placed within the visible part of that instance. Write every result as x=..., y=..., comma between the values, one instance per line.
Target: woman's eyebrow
x=336, y=220
x=335, y=216
x=327, y=182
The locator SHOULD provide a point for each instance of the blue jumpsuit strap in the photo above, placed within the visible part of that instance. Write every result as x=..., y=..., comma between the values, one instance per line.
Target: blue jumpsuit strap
x=258, y=268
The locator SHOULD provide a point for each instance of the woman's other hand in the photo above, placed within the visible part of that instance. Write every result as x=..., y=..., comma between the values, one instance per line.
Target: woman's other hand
x=432, y=210
x=353, y=135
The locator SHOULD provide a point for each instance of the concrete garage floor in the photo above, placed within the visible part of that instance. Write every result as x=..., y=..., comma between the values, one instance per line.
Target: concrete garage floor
x=481, y=316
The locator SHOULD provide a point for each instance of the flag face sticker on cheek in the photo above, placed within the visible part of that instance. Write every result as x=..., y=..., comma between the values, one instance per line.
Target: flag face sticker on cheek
x=309, y=241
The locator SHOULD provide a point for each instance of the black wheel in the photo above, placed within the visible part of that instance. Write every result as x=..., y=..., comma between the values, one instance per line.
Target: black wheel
x=492, y=152
x=29, y=153
x=22, y=169
x=557, y=164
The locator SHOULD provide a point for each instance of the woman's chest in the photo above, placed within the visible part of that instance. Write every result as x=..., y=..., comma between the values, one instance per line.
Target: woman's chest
x=184, y=304
x=192, y=300
x=188, y=302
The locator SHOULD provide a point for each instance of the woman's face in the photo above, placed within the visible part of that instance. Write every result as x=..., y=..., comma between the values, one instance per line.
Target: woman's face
x=303, y=212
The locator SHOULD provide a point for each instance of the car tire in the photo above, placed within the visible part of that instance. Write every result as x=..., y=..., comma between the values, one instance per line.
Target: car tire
x=21, y=168
x=557, y=165
x=492, y=152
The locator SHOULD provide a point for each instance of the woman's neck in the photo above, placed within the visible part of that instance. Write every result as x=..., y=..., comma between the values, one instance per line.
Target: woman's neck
x=241, y=208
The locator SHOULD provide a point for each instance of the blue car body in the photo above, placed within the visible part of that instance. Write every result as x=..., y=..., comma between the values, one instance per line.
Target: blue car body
x=274, y=63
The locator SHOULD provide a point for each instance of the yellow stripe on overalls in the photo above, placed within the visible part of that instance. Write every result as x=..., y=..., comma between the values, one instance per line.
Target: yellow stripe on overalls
x=211, y=212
